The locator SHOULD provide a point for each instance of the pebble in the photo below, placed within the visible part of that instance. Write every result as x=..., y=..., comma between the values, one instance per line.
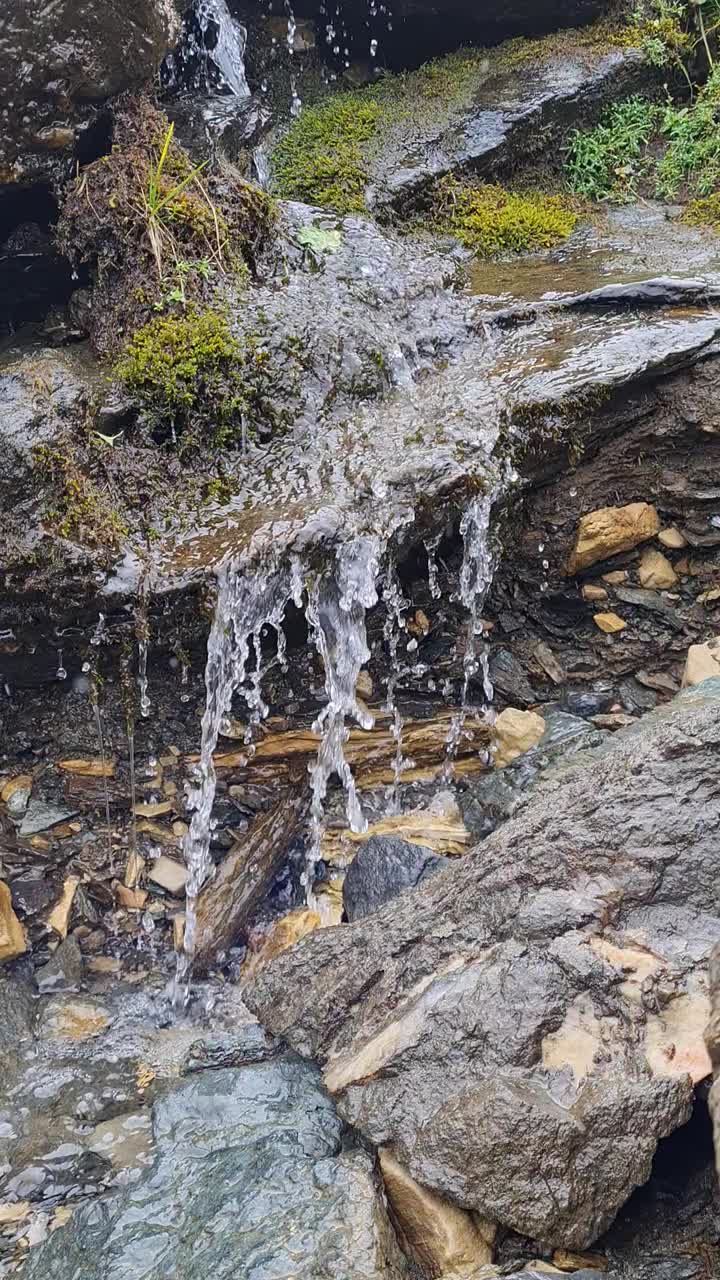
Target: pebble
x=610, y=623
x=592, y=592
x=12, y=935
x=655, y=570
x=672, y=538
x=615, y=578
x=168, y=874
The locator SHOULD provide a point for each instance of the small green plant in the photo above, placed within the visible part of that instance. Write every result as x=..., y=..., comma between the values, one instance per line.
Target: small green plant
x=704, y=212
x=491, y=220
x=320, y=158
x=187, y=371
x=607, y=162
x=692, y=153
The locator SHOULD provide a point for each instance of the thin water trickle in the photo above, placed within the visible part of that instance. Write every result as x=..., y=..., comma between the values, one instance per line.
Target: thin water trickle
x=97, y=716
x=476, y=576
x=245, y=603
x=142, y=632
x=336, y=610
x=394, y=630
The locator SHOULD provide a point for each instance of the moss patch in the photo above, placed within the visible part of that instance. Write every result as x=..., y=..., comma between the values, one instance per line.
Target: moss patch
x=320, y=159
x=491, y=220
x=704, y=213
x=155, y=230
x=80, y=509
x=188, y=371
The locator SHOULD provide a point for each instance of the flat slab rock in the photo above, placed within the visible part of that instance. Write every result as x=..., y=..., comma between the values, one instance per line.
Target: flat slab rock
x=526, y=1026
x=250, y=1179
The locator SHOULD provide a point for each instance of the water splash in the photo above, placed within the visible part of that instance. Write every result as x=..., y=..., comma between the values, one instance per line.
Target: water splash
x=142, y=632
x=394, y=631
x=245, y=603
x=476, y=576
x=97, y=716
x=336, y=610
x=211, y=55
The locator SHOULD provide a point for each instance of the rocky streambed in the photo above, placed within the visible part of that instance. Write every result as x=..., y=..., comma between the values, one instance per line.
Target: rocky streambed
x=359, y=773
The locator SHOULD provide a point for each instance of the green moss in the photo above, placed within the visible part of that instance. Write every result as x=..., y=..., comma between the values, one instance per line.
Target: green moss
x=491, y=220
x=320, y=159
x=188, y=370
x=704, y=213
x=80, y=510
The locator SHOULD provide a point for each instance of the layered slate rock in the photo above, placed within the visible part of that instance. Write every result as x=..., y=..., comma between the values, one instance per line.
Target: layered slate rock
x=249, y=1178
x=524, y=1028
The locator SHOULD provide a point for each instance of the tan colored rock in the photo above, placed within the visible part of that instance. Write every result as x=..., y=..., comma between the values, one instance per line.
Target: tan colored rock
x=178, y=928
x=703, y=662
x=88, y=768
x=615, y=578
x=12, y=935
x=591, y=592
x=579, y=1261
x=655, y=570
x=364, y=686
x=610, y=623
x=514, y=733
x=59, y=916
x=11, y=1213
x=672, y=538
x=283, y=933
x=439, y=1237
x=169, y=874
x=15, y=793
x=606, y=532
x=132, y=899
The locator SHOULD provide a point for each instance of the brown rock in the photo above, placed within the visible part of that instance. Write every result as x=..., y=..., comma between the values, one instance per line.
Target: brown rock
x=592, y=592
x=606, y=532
x=12, y=935
x=672, y=538
x=15, y=793
x=610, y=623
x=566, y=1261
x=655, y=570
x=439, y=1237
x=283, y=933
x=88, y=768
x=244, y=878
x=364, y=686
x=178, y=927
x=703, y=662
x=132, y=899
x=60, y=915
x=615, y=578
x=514, y=733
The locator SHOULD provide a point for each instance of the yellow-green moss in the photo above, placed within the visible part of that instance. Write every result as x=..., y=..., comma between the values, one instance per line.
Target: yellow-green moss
x=320, y=160
x=80, y=510
x=188, y=371
x=491, y=220
x=704, y=213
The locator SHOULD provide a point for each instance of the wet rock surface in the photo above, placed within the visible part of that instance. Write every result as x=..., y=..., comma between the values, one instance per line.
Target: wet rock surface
x=382, y=868
x=250, y=1172
x=60, y=63
x=583, y=912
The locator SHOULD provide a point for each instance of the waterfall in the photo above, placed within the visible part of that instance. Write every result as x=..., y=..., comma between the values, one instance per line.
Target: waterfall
x=211, y=55
x=476, y=576
x=245, y=604
x=336, y=610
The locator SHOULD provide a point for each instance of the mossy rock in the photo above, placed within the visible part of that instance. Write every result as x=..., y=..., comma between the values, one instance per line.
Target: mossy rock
x=491, y=220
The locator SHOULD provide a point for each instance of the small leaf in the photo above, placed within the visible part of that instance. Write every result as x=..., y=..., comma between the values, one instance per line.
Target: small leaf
x=319, y=239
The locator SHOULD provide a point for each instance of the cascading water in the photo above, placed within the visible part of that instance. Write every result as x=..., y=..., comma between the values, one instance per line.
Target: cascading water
x=476, y=576
x=394, y=631
x=211, y=55
x=245, y=603
x=336, y=610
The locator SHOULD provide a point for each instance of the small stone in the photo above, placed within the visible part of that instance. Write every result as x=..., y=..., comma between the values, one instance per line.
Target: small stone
x=73, y=1020
x=615, y=578
x=153, y=810
x=12, y=935
x=568, y=1261
x=10, y=1213
x=134, y=868
x=657, y=680
x=364, y=686
x=514, y=733
x=131, y=899
x=59, y=917
x=169, y=874
x=549, y=663
x=655, y=570
x=703, y=662
x=63, y=972
x=16, y=793
x=672, y=538
x=591, y=592
x=104, y=964
x=420, y=624
x=708, y=597
x=683, y=566
x=40, y=816
x=180, y=828
x=88, y=768
x=609, y=623
x=609, y=530
x=613, y=720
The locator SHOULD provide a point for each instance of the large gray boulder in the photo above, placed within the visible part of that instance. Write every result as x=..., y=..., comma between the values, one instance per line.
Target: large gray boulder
x=60, y=62
x=250, y=1178
x=525, y=1027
